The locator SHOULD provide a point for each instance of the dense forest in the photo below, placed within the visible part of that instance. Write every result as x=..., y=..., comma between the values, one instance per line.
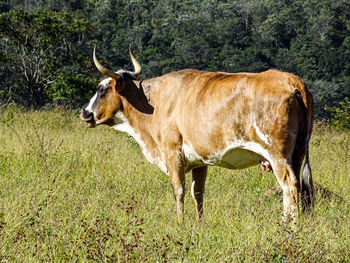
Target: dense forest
x=46, y=45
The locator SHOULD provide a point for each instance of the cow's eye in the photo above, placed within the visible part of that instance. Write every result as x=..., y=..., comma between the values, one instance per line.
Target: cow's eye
x=101, y=89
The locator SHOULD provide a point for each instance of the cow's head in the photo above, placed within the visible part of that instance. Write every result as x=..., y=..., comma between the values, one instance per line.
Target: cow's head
x=107, y=101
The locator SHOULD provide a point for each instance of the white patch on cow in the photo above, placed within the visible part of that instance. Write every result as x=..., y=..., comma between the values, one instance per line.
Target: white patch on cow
x=236, y=155
x=89, y=107
x=190, y=154
x=180, y=191
x=105, y=82
x=265, y=138
x=121, y=72
x=123, y=125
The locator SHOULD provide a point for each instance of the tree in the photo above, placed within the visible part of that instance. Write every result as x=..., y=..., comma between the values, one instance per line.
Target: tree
x=38, y=46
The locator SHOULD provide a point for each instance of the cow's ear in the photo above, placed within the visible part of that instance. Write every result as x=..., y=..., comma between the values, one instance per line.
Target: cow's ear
x=118, y=84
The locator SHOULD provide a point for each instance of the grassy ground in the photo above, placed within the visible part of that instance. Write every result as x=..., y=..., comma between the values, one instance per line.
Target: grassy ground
x=68, y=193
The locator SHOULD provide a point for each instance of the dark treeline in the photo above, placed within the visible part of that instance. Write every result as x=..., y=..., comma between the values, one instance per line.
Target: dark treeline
x=45, y=54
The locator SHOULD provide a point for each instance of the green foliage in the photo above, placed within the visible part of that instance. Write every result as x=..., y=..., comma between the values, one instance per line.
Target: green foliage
x=72, y=90
x=38, y=46
x=309, y=38
x=341, y=114
x=325, y=93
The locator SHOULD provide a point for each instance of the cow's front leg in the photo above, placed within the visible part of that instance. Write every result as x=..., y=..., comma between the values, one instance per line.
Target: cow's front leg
x=176, y=171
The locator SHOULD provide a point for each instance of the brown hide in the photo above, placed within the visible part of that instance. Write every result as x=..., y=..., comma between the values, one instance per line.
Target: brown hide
x=190, y=119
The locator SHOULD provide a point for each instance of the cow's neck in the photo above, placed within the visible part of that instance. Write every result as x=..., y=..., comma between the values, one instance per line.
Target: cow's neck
x=135, y=120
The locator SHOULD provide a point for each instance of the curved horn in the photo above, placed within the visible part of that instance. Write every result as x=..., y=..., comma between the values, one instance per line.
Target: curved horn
x=102, y=69
x=136, y=64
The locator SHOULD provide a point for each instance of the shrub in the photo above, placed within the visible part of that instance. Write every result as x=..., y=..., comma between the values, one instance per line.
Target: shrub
x=340, y=114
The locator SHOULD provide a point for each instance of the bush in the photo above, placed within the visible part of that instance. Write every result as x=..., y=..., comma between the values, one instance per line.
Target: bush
x=340, y=114
x=74, y=90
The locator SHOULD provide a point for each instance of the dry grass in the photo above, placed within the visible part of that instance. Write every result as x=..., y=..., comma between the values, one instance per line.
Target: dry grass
x=74, y=194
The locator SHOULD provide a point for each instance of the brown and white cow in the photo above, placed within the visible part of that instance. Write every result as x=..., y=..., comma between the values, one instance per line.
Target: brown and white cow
x=189, y=119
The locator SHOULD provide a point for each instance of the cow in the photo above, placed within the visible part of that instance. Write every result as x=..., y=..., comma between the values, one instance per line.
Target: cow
x=189, y=119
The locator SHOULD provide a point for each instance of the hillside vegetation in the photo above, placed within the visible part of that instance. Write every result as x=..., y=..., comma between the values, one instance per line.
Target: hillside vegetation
x=45, y=54
x=74, y=194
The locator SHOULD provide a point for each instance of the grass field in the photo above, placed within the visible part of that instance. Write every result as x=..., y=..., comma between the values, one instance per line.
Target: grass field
x=72, y=194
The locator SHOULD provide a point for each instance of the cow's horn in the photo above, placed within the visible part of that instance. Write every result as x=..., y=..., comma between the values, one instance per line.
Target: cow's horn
x=136, y=64
x=102, y=69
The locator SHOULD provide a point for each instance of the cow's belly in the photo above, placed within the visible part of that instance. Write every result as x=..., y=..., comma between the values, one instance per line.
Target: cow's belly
x=237, y=159
x=237, y=155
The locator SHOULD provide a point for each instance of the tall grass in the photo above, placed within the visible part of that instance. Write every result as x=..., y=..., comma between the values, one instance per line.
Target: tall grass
x=68, y=193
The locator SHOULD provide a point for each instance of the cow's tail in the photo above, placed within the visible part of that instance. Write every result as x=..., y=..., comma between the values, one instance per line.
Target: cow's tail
x=307, y=187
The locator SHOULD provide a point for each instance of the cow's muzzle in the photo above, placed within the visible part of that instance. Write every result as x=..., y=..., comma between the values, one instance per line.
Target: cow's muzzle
x=88, y=117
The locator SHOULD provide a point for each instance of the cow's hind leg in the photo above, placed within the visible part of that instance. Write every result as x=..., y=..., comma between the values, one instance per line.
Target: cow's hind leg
x=290, y=184
x=199, y=176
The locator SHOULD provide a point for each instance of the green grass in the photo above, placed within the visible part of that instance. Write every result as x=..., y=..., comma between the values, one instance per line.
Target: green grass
x=72, y=194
